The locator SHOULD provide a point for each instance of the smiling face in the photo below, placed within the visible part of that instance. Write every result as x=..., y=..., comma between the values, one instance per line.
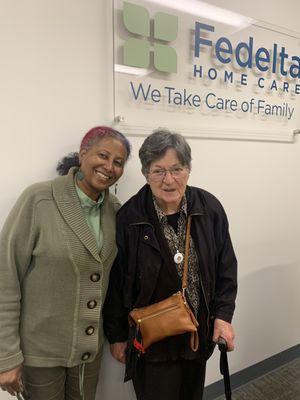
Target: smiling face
x=102, y=165
x=170, y=188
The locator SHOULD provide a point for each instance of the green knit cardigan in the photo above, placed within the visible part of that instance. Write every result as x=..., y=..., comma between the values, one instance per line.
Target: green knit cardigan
x=53, y=280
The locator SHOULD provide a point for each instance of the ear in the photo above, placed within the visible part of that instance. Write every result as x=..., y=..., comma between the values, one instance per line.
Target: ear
x=146, y=176
x=82, y=153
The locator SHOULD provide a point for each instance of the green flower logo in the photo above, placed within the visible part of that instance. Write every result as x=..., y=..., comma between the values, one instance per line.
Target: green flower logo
x=137, y=51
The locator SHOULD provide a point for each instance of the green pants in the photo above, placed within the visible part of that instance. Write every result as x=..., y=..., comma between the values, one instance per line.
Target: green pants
x=60, y=383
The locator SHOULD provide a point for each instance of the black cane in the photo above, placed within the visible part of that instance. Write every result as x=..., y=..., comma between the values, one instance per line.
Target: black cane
x=23, y=395
x=224, y=367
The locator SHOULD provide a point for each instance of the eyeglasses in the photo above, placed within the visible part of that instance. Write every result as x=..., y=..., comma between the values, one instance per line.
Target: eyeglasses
x=158, y=174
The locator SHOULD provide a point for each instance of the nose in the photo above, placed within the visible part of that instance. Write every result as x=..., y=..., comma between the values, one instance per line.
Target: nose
x=168, y=178
x=109, y=165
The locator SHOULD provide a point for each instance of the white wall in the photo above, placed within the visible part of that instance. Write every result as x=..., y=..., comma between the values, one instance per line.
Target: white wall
x=56, y=82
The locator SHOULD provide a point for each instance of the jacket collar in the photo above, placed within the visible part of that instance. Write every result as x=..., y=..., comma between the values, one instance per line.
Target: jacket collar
x=66, y=198
x=138, y=210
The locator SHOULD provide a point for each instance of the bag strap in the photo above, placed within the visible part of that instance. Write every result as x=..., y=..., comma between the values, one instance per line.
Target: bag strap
x=194, y=339
x=186, y=254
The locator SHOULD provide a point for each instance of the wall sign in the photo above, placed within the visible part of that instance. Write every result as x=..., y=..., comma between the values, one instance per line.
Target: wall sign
x=204, y=71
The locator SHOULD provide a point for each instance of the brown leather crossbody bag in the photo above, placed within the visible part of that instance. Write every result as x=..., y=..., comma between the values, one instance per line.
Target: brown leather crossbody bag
x=169, y=317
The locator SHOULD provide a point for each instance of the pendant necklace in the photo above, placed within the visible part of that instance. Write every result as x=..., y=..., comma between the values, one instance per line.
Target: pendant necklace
x=176, y=237
x=178, y=257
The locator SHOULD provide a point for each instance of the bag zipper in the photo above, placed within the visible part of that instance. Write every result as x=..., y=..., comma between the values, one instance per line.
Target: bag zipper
x=140, y=320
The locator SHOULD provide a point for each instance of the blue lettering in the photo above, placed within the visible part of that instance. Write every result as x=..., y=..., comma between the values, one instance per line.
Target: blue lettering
x=245, y=106
x=295, y=69
x=169, y=92
x=198, y=39
x=285, y=87
x=273, y=85
x=177, y=99
x=260, y=105
x=196, y=100
x=197, y=70
x=283, y=56
x=182, y=98
x=186, y=98
x=226, y=50
x=244, y=79
x=243, y=55
x=274, y=64
x=207, y=98
x=212, y=73
x=262, y=55
x=228, y=76
x=155, y=95
x=249, y=49
x=259, y=82
x=140, y=90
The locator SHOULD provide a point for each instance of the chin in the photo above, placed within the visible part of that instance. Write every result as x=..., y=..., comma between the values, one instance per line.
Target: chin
x=171, y=199
x=104, y=187
x=101, y=185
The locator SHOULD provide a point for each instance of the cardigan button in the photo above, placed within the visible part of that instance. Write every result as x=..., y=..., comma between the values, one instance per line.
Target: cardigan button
x=86, y=356
x=91, y=304
x=95, y=277
x=146, y=237
x=90, y=330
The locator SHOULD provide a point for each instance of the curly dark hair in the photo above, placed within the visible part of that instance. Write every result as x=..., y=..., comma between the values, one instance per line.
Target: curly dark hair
x=67, y=162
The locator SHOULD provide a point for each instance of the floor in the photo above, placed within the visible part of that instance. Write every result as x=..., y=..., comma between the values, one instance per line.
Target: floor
x=280, y=384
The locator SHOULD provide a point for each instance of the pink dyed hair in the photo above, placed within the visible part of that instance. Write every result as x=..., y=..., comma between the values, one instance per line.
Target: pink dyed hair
x=100, y=132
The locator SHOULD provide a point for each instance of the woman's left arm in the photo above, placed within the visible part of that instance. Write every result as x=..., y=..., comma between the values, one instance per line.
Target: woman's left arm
x=226, y=282
x=223, y=329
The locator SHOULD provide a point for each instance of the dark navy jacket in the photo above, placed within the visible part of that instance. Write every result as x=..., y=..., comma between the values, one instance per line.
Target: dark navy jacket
x=136, y=269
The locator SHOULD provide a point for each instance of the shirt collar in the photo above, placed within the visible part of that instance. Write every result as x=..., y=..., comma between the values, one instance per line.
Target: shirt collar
x=86, y=202
x=162, y=216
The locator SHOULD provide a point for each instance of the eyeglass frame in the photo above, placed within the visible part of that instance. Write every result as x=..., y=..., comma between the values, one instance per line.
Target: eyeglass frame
x=164, y=171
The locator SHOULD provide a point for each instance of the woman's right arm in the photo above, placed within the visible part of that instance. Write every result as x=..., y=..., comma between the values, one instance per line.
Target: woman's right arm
x=11, y=380
x=16, y=245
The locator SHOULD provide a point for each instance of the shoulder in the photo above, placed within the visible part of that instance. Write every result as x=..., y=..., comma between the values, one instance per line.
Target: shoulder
x=113, y=201
x=35, y=193
x=26, y=205
x=200, y=198
x=129, y=205
x=135, y=208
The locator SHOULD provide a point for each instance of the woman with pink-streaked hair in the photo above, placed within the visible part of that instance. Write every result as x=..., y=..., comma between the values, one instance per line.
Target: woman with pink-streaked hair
x=56, y=250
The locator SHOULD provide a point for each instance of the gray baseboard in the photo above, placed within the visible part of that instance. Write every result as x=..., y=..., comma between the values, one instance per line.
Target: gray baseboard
x=246, y=375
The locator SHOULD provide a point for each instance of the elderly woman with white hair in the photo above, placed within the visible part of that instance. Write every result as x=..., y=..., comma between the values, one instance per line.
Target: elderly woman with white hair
x=151, y=235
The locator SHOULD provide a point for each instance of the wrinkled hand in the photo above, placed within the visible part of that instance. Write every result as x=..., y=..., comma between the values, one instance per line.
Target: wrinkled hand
x=11, y=380
x=225, y=330
x=118, y=351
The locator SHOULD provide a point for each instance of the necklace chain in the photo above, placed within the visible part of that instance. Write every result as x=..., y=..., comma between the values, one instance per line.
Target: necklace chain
x=177, y=241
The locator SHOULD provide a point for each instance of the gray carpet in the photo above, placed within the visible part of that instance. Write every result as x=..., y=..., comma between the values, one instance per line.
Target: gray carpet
x=280, y=384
